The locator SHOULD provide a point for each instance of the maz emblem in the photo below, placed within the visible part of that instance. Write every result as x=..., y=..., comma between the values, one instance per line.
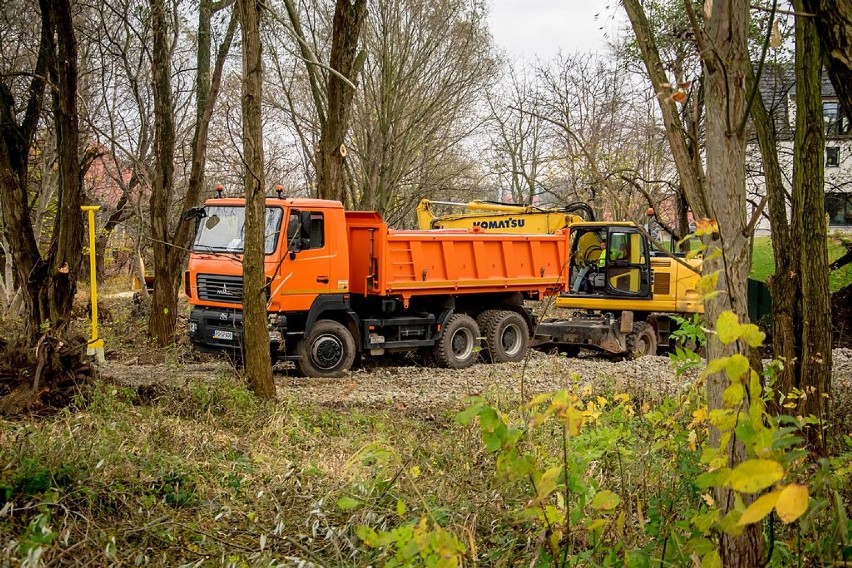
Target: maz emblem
x=224, y=290
x=223, y=316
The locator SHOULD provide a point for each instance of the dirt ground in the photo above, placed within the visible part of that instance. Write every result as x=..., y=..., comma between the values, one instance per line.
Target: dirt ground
x=404, y=385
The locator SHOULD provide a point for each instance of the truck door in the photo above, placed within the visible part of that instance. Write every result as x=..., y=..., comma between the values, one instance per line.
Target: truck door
x=306, y=271
x=628, y=264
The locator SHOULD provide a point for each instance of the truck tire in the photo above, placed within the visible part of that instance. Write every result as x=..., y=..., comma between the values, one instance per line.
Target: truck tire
x=458, y=346
x=327, y=351
x=483, y=320
x=642, y=341
x=507, y=337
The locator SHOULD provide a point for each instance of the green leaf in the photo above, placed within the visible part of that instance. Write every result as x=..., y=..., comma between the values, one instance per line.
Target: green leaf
x=605, y=500
x=727, y=327
x=546, y=484
x=792, y=502
x=597, y=524
x=347, y=503
x=759, y=509
x=752, y=476
x=400, y=508
x=715, y=478
x=465, y=416
x=711, y=560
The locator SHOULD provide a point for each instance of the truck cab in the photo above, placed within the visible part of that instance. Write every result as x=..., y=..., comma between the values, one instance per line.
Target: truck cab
x=306, y=259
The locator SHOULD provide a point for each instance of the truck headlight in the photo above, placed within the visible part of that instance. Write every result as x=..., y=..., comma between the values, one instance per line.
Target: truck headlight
x=193, y=327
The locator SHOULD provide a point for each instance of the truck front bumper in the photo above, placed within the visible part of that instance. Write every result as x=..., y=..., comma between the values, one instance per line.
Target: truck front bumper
x=220, y=329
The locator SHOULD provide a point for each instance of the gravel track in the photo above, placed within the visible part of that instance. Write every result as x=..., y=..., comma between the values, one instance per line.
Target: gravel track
x=405, y=385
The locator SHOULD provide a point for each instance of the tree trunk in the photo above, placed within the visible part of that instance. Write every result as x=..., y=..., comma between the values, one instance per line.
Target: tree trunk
x=784, y=284
x=834, y=29
x=255, y=323
x=725, y=72
x=348, y=19
x=61, y=266
x=162, y=322
x=809, y=214
x=170, y=249
x=50, y=280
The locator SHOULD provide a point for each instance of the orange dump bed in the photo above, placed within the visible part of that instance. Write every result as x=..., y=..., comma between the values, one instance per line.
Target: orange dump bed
x=387, y=262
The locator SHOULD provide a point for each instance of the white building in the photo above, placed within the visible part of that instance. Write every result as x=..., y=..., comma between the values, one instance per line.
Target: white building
x=779, y=94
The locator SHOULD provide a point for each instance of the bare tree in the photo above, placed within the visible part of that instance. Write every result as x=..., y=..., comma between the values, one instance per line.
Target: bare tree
x=833, y=20
x=518, y=146
x=170, y=246
x=427, y=69
x=49, y=279
x=809, y=228
x=255, y=333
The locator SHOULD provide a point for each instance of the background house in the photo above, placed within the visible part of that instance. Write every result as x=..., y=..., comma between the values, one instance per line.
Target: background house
x=779, y=93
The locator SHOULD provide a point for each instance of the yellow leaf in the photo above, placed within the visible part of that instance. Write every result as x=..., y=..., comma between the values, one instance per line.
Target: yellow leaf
x=752, y=335
x=727, y=327
x=707, y=283
x=605, y=500
x=775, y=38
x=733, y=395
x=792, y=502
x=415, y=472
x=736, y=367
x=759, y=509
x=753, y=475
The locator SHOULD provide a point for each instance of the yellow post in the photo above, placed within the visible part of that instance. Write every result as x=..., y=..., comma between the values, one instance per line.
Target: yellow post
x=96, y=345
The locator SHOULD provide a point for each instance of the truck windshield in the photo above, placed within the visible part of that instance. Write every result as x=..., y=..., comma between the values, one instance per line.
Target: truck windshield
x=222, y=229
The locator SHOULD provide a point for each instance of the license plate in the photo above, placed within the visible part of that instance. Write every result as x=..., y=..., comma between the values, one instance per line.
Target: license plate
x=222, y=334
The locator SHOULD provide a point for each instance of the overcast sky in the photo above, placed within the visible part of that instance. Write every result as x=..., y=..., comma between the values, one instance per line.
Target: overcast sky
x=529, y=28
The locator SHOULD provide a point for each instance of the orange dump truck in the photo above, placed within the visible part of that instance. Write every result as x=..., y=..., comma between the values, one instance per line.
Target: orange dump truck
x=341, y=285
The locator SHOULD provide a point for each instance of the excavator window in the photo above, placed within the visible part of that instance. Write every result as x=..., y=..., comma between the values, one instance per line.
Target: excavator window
x=610, y=262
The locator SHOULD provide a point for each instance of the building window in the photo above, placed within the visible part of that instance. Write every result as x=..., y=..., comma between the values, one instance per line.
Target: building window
x=836, y=123
x=832, y=156
x=839, y=209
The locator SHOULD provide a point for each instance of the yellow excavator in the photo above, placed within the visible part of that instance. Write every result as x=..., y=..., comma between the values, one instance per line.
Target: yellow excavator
x=624, y=289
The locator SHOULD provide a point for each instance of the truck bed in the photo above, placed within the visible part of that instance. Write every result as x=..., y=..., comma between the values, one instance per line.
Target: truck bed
x=403, y=264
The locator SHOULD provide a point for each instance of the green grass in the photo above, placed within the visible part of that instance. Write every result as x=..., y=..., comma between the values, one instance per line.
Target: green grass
x=763, y=263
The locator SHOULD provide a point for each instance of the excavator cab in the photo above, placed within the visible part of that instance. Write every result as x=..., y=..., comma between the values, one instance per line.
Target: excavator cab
x=610, y=261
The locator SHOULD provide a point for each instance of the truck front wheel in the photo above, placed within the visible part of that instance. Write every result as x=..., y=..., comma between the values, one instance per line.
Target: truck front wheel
x=457, y=347
x=507, y=337
x=327, y=351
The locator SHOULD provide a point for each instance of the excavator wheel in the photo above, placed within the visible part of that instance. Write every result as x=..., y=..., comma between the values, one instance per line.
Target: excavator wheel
x=459, y=344
x=507, y=337
x=642, y=340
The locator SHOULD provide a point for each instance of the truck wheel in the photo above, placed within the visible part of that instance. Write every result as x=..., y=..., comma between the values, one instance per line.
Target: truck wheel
x=483, y=320
x=507, y=337
x=457, y=347
x=327, y=351
x=642, y=341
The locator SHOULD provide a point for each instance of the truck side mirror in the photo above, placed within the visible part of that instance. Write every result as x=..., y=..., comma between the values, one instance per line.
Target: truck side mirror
x=193, y=213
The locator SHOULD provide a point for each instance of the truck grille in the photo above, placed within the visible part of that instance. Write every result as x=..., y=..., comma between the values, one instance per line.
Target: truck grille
x=220, y=288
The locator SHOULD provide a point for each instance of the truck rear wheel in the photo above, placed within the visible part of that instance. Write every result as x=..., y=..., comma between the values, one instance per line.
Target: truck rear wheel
x=642, y=341
x=327, y=351
x=457, y=347
x=507, y=337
